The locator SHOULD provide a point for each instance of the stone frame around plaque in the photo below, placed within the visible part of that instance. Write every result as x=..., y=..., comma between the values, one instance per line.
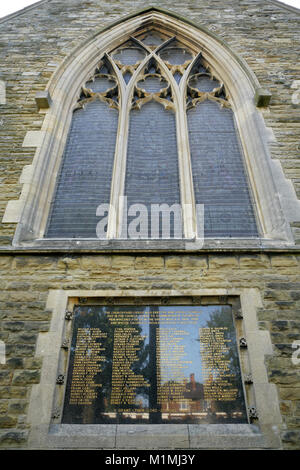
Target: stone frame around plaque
x=262, y=430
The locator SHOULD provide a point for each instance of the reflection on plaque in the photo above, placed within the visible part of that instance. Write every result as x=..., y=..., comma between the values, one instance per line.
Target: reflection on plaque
x=154, y=364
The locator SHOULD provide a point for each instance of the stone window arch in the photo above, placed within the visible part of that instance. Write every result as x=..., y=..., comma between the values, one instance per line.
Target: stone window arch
x=235, y=87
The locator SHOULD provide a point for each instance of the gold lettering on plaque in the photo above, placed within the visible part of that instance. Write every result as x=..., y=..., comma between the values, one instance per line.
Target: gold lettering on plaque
x=216, y=369
x=124, y=380
x=87, y=364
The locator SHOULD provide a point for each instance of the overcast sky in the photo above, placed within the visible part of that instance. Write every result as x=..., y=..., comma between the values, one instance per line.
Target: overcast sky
x=10, y=6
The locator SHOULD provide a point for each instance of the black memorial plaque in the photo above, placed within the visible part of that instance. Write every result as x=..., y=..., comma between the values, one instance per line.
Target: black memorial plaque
x=154, y=364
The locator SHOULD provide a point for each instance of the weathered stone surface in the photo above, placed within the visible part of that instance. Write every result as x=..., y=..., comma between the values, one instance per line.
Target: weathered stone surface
x=96, y=263
x=7, y=421
x=5, y=377
x=289, y=393
x=33, y=45
x=17, y=407
x=222, y=262
x=173, y=262
x=194, y=262
x=26, y=377
x=13, y=392
x=13, y=437
x=3, y=406
x=149, y=262
x=254, y=261
x=284, y=261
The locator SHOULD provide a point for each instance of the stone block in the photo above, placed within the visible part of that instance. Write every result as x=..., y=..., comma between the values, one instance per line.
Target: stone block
x=33, y=362
x=70, y=263
x=292, y=437
x=149, y=262
x=156, y=436
x=13, y=325
x=43, y=99
x=173, y=262
x=194, y=262
x=3, y=406
x=284, y=377
x=18, y=407
x=5, y=377
x=23, y=338
x=262, y=97
x=289, y=393
x=122, y=262
x=64, y=436
x=13, y=392
x=13, y=437
x=254, y=261
x=229, y=436
x=8, y=421
x=25, y=377
x=222, y=262
x=96, y=263
x=14, y=363
x=284, y=261
x=33, y=139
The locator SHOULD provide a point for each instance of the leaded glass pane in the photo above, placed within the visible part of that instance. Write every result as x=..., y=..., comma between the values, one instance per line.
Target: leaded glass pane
x=100, y=85
x=152, y=39
x=219, y=177
x=152, y=165
x=127, y=77
x=175, y=56
x=85, y=176
x=129, y=55
x=152, y=84
x=204, y=83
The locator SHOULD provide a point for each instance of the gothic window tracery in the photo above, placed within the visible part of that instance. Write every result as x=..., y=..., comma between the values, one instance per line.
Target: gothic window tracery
x=153, y=124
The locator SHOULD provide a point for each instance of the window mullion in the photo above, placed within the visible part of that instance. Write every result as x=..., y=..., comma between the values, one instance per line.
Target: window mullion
x=186, y=180
x=119, y=172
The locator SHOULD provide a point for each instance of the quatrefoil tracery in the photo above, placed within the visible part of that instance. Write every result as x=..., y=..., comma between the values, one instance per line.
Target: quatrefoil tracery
x=166, y=60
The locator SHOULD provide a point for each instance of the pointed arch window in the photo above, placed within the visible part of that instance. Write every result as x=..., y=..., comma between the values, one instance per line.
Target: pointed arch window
x=152, y=137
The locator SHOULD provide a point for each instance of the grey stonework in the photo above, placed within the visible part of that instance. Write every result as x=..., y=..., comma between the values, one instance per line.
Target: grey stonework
x=33, y=43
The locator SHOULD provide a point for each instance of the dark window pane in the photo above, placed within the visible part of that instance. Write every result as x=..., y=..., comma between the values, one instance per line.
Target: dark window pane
x=152, y=39
x=100, y=84
x=219, y=177
x=152, y=84
x=175, y=55
x=85, y=176
x=129, y=56
x=152, y=164
x=204, y=83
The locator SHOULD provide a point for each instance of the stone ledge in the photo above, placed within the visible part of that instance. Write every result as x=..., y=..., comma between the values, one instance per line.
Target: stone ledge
x=156, y=436
x=43, y=99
